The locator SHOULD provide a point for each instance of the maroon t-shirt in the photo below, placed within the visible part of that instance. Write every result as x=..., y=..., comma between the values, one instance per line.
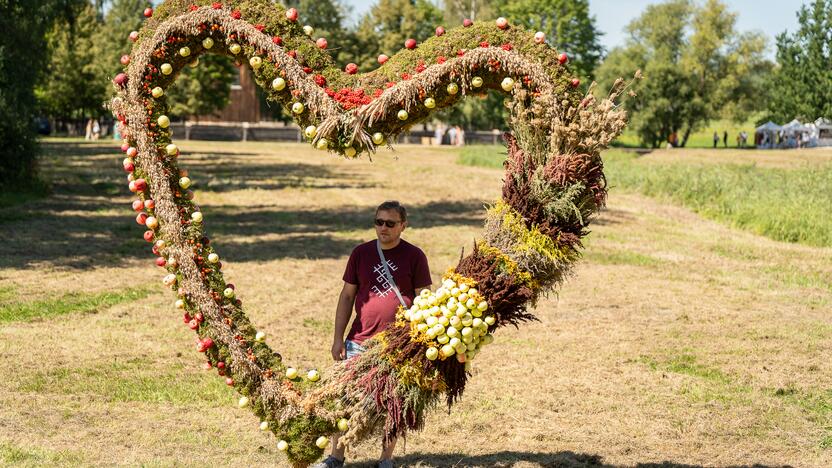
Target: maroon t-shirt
x=376, y=301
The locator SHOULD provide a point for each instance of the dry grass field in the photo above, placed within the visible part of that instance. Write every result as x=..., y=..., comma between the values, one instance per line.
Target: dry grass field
x=678, y=341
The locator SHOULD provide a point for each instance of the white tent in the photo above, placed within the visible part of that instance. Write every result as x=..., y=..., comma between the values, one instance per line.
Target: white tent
x=796, y=135
x=822, y=133
x=765, y=136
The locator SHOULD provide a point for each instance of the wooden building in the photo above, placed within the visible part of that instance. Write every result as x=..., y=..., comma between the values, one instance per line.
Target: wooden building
x=243, y=104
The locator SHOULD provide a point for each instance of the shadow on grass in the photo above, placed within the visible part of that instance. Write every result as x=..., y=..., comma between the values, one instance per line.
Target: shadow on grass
x=510, y=458
x=87, y=223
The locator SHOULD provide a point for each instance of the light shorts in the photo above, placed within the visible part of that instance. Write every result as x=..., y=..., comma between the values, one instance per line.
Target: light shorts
x=353, y=348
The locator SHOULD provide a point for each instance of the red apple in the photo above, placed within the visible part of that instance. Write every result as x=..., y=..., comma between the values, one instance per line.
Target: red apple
x=575, y=82
x=148, y=236
x=149, y=204
x=193, y=324
x=148, y=12
x=440, y=31
x=230, y=285
x=382, y=58
x=502, y=23
x=410, y=43
x=141, y=218
x=160, y=261
x=229, y=381
x=220, y=365
x=141, y=185
x=120, y=79
x=124, y=147
x=563, y=58
x=207, y=365
x=351, y=68
x=186, y=318
x=467, y=22
x=138, y=205
x=198, y=317
x=125, y=59
x=321, y=43
x=277, y=40
x=129, y=167
x=134, y=36
x=292, y=14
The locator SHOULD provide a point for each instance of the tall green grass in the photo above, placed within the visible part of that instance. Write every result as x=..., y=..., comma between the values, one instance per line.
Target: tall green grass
x=15, y=311
x=792, y=205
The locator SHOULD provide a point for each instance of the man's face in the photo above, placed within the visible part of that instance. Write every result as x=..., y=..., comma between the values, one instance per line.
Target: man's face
x=385, y=233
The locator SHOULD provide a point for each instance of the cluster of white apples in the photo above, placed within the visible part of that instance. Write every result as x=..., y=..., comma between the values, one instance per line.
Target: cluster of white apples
x=453, y=319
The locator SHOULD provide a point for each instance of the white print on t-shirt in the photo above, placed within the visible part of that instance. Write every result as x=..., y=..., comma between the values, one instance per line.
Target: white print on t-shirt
x=384, y=286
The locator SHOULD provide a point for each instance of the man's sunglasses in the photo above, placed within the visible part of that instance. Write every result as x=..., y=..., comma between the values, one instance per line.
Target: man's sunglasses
x=386, y=222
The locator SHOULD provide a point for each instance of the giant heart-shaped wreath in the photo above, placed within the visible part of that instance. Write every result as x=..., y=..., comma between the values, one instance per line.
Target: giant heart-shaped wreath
x=554, y=184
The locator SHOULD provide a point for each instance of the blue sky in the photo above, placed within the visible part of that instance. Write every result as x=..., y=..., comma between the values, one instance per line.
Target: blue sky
x=769, y=16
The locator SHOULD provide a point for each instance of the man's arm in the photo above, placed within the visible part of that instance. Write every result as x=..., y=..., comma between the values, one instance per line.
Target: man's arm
x=343, y=312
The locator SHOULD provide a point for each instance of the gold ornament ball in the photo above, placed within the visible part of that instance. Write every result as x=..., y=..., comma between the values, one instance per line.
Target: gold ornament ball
x=453, y=88
x=430, y=103
x=278, y=84
x=235, y=48
x=507, y=84
x=349, y=152
x=172, y=149
x=163, y=121
x=310, y=131
x=207, y=43
x=185, y=51
x=322, y=442
x=378, y=138
x=166, y=68
x=476, y=82
x=157, y=92
x=297, y=108
x=255, y=62
x=402, y=115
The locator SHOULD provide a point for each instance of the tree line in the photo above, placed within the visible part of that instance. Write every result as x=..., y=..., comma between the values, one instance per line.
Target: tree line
x=57, y=58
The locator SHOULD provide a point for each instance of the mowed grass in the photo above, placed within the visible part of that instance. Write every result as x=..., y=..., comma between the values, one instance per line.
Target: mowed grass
x=677, y=340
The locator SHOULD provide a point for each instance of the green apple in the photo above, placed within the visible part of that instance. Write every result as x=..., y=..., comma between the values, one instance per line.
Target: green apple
x=467, y=332
x=260, y=337
x=322, y=442
x=322, y=144
x=443, y=339
x=207, y=43
x=454, y=342
x=402, y=115
x=166, y=69
x=448, y=350
x=507, y=84
x=171, y=149
x=185, y=182
x=430, y=103
x=242, y=402
x=432, y=353
x=291, y=373
x=487, y=339
x=157, y=92
x=421, y=327
x=489, y=320
x=313, y=375
x=378, y=138
x=477, y=323
x=297, y=108
x=471, y=303
x=452, y=88
x=228, y=292
x=308, y=30
x=455, y=292
x=472, y=291
x=235, y=48
x=163, y=121
x=463, y=297
x=180, y=304
x=343, y=425
x=452, y=331
x=196, y=217
x=349, y=152
x=430, y=333
x=264, y=426
x=455, y=321
x=443, y=320
x=185, y=51
x=476, y=82
x=278, y=84
x=463, y=287
x=282, y=445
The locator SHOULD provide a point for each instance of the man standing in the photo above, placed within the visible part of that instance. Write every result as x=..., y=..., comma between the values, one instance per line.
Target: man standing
x=367, y=286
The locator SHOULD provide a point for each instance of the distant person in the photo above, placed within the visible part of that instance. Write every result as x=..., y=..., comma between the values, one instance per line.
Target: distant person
x=88, y=133
x=460, y=136
x=739, y=140
x=716, y=139
x=725, y=139
x=743, y=138
x=452, y=136
x=96, y=129
x=439, y=133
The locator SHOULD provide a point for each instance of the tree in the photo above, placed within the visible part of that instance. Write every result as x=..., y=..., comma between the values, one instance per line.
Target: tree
x=203, y=89
x=23, y=24
x=568, y=26
x=121, y=17
x=801, y=85
x=72, y=88
x=696, y=68
x=390, y=23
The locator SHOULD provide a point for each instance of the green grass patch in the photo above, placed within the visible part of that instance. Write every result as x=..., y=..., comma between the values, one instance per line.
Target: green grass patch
x=702, y=138
x=320, y=325
x=135, y=380
x=686, y=364
x=789, y=205
x=621, y=257
x=14, y=455
x=708, y=385
x=490, y=156
x=816, y=404
x=71, y=303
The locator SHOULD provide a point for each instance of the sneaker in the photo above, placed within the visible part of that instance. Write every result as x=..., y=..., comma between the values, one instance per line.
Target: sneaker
x=385, y=464
x=330, y=462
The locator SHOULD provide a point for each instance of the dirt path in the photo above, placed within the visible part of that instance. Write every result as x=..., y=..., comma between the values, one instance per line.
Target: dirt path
x=677, y=339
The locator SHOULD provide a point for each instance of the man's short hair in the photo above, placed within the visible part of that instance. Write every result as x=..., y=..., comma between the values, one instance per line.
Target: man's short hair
x=393, y=205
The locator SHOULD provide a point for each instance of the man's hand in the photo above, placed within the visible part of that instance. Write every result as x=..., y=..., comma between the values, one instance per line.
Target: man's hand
x=339, y=352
